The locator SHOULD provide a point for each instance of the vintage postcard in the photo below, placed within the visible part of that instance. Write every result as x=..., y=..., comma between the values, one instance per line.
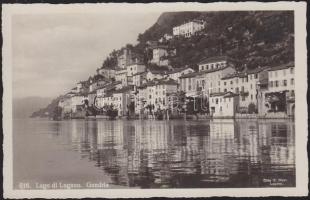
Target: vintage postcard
x=154, y=100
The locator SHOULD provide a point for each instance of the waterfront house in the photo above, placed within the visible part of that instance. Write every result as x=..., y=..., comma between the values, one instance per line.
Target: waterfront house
x=211, y=70
x=246, y=85
x=159, y=92
x=122, y=100
x=223, y=104
x=280, y=96
x=188, y=84
x=188, y=29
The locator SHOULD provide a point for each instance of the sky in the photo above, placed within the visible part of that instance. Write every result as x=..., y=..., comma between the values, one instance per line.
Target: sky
x=52, y=52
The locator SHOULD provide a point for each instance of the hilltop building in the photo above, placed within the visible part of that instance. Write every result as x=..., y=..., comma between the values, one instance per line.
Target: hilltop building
x=189, y=29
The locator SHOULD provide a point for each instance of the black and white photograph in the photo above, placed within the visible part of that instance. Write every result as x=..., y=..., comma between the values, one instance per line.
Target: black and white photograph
x=185, y=96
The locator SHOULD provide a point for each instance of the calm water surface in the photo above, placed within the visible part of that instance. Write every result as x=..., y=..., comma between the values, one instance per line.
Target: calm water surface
x=155, y=154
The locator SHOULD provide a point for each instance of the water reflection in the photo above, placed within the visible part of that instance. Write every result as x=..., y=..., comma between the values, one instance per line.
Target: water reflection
x=182, y=154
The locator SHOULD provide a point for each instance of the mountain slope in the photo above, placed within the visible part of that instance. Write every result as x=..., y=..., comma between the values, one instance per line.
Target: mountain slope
x=24, y=107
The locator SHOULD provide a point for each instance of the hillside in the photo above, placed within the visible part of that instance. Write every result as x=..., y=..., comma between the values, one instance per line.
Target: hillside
x=255, y=38
x=48, y=110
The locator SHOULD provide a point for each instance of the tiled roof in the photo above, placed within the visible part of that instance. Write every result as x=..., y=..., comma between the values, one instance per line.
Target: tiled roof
x=124, y=89
x=224, y=94
x=139, y=73
x=214, y=59
x=162, y=72
x=284, y=66
x=166, y=82
x=190, y=75
x=178, y=70
x=203, y=72
x=257, y=70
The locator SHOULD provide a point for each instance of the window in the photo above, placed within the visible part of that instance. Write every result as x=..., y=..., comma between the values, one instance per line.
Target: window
x=284, y=72
x=276, y=83
x=212, y=66
x=237, y=90
x=251, y=86
x=237, y=80
x=276, y=73
x=246, y=79
x=271, y=84
x=219, y=83
x=243, y=98
x=256, y=76
x=225, y=90
x=216, y=101
x=242, y=88
x=292, y=81
x=224, y=82
x=231, y=82
x=207, y=67
x=284, y=83
x=251, y=96
x=292, y=70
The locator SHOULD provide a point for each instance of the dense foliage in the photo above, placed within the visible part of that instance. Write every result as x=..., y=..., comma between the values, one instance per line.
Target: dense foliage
x=255, y=38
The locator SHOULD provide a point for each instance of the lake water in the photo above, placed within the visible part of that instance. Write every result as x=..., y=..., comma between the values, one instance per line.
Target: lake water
x=153, y=154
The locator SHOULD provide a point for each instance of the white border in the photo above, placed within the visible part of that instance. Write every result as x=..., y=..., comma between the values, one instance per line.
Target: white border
x=301, y=103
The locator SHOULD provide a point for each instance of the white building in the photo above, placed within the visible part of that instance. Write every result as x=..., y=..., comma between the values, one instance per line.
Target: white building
x=224, y=104
x=188, y=29
x=158, y=92
x=246, y=85
x=153, y=74
x=121, y=75
x=122, y=100
x=135, y=68
x=282, y=78
x=280, y=96
x=177, y=73
x=211, y=71
x=138, y=78
x=158, y=53
x=96, y=82
x=107, y=72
